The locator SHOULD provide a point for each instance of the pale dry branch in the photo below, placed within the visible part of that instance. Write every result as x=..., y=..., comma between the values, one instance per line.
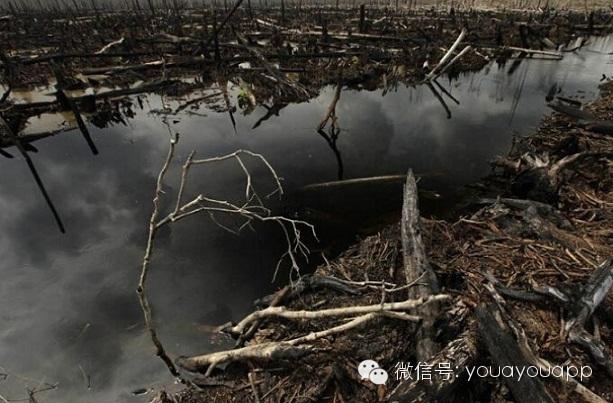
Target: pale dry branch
x=252, y=209
x=445, y=58
x=283, y=312
x=276, y=350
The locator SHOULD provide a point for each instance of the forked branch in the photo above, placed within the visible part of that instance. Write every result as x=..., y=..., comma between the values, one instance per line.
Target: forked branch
x=251, y=209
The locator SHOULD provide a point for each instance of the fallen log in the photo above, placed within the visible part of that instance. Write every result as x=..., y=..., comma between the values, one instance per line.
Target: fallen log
x=456, y=356
x=533, y=359
x=594, y=292
x=416, y=266
x=505, y=351
x=571, y=111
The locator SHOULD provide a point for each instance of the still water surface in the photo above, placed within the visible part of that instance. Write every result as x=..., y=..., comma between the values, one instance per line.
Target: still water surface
x=68, y=310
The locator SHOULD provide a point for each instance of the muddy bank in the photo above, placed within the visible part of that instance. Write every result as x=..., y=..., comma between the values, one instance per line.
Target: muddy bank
x=532, y=248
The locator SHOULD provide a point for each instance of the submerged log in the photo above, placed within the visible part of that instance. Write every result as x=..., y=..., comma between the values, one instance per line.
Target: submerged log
x=355, y=181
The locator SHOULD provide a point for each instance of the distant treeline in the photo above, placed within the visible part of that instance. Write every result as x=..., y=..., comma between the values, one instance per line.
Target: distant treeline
x=16, y=6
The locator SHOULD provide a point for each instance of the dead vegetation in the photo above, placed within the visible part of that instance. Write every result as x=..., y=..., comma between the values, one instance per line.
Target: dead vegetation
x=521, y=277
x=278, y=54
x=521, y=281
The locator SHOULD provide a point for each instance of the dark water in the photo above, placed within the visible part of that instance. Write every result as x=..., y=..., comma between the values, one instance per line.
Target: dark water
x=68, y=311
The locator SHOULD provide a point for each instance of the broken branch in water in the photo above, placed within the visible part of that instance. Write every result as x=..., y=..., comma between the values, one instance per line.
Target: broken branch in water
x=142, y=283
x=433, y=74
x=452, y=62
x=554, y=54
x=251, y=209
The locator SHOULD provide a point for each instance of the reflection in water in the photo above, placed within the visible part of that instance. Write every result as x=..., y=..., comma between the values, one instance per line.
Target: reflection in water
x=68, y=310
x=439, y=98
x=271, y=111
x=8, y=131
x=331, y=137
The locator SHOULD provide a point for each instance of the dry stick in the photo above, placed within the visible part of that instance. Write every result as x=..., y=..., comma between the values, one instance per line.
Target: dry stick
x=283, y=312
x=254, y=389
x=252, y=209
x=452, y=62
x=447, y=55
x=141, y=290
x=33, y=170
x=110, y=45
x=275, y=350
x=567, y=161
x=278, y=298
